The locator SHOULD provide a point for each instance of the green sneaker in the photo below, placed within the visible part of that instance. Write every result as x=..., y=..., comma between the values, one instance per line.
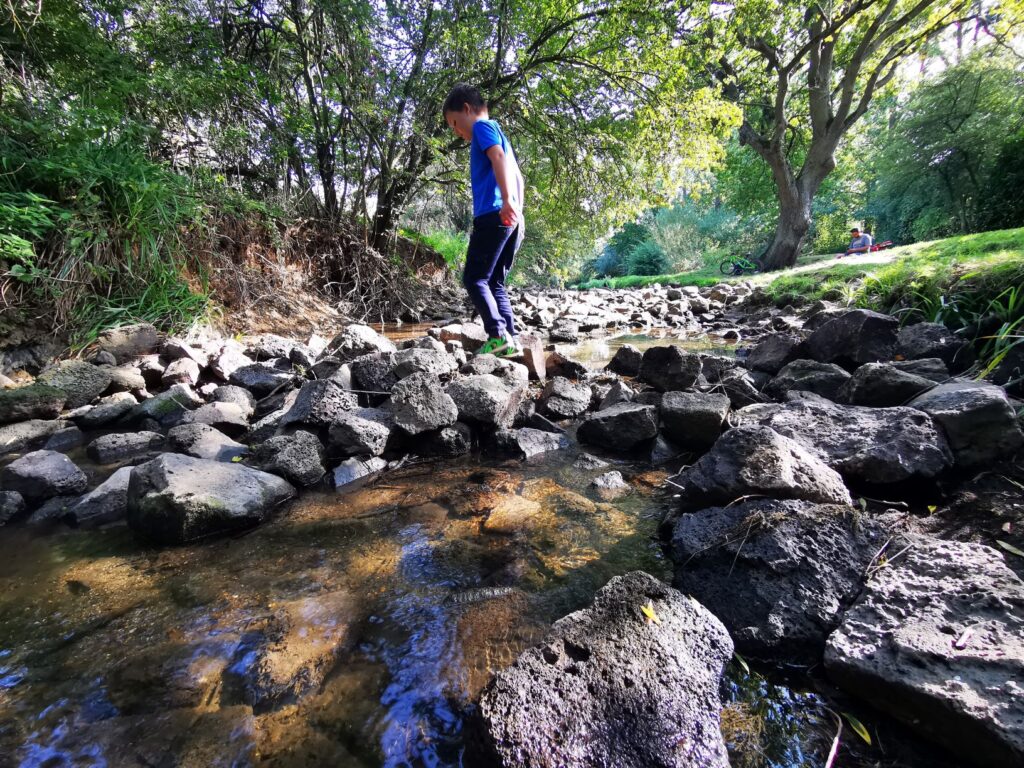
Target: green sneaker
x=493, y=346
x=511, y=348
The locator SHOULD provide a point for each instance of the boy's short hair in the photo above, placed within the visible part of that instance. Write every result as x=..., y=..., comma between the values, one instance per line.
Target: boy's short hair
x=461, y=95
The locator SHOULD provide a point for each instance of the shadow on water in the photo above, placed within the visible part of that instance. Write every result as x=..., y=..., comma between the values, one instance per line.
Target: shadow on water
x=112, y=655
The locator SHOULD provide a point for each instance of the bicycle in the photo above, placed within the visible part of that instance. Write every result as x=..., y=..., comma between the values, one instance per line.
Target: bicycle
x=741, y=265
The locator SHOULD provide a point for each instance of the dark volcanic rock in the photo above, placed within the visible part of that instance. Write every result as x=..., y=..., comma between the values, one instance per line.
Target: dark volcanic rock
x=15, y=438
x=626, y=360
x=319, y=403
x=564, y=399
x=129, y=341
x=12, y=504
x=855, y=337
x=693, y=420
x=123, y=445
x=931, y=368
x=608, y=687
x=923, y=340
x=526, y=442
x=357, y=340
x=871, y=445
x=36, y=401
x=669, y=369
x=298, y=458
x=621, y=427
x=455, y=440
x=936, y=639
x=40, y=475
x=486, y=399
x=881, y=385
x=173, y=498
x=362, y=432
x=419, y=404
x=773, y=352
x=978, y=419
x=82, y=382
x=777, y=573
x=106, y=503
x=107, y=410
x=260, y=378
x=202, y=441
x=825, y=379
x=758, y=461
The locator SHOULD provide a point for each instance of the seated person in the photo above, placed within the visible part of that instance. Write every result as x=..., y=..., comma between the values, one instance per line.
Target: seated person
x=859, y=242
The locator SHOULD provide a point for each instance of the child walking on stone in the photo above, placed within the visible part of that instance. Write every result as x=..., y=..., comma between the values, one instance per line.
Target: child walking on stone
x=497, y=216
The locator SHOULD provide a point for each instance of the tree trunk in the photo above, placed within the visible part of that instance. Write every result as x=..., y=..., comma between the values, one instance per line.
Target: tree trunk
x=793, y=224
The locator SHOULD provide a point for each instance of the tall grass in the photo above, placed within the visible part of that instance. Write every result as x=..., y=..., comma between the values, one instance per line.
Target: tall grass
x=451, y=245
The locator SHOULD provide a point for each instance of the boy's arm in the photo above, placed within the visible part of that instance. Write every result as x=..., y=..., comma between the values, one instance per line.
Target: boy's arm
x=500, y=164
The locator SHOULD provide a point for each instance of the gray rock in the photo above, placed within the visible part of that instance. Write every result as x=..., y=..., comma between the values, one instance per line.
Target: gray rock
x=373, y=373
x=510, y=371
x=361, y=432
x=485, y=399
x=936, y=639
x=564, y=331
x=825, y=379
x=298, y=458
x=108, y=410
x=855, y=337
x=693, y=420
x=167, y=407
x=177, y=349
x=201, y=441
x=931, y=368
x=184, y=370
x=977, y=418
x=757, y=461
x=664, y=451
x=796, y=566
x=229, y=418
x=260, y=378
x=129, y=341
x=773, y=352
x=1009, y=373
x=622, y=427
x=742, y=387
x=527, y=442
x=41, y=475
x=36, y=401
x=564, y=399
x=587, y=462
x=880, y=385
x=607, y=687
x=124, y=445
x=16, y=438
x=12, y=504
x=626, y=360
x=617, y=392
x=557, y=364
x=669, y=369
x=419, y=404
x=924, y=340
x=357, y=340
x=64, y=440
x=610, y=485
x=106, y=503
x=126, y=378
x=352, y=470
x=229, y=393
x=82, y=382
x=319, y=404
x=174, y=499
x=410, y=361
x=870, y=445
x=228, y=359
x=471, y=335
x=267, y=346
x=52, y=512
x=455, y=440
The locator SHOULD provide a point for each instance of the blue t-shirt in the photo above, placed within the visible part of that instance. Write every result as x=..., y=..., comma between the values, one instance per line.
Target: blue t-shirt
x=486, y=194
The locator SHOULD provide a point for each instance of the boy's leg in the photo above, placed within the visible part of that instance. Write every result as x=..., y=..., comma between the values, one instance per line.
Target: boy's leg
x=486, y=244
x=498, y=277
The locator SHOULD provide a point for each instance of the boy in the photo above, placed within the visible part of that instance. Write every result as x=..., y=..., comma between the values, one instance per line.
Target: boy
x=497, y=216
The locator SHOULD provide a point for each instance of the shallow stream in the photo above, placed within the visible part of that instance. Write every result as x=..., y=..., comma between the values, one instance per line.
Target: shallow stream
x=404, y=591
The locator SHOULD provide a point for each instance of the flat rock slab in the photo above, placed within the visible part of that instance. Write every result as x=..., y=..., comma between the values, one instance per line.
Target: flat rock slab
x=936, y=639
x=107, y=449
x=872, y=445
x=609, y=687
x=173, y=498
x=512, y=514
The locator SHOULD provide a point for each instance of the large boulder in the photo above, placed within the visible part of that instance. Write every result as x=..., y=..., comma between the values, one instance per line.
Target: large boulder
x=870, y=445
x=855, y=337
x=693, y=420
x=757, y=461
x=610, y=687
x=626, y=360
x=669, y=369
x=777, y=573
x=41, y=475
x=357, y=340
x=773, y=352
x=372, y=373
x=82, y=382
x=129, y=341
x=202, y=441
x=978, y=420
x=825, y=379
x=319, y=404
x=936, y=639
x=486, y=399
x=116, y=446
x=621, y=427
x=173, y=498
x=564, y=399
x=419, y=404
x=298, y=458
x=924, y=340
x=882, y=385
x=361, y=432
x=36, y=401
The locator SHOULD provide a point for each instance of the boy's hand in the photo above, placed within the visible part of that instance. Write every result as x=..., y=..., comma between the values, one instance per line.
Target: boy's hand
x=508, y=215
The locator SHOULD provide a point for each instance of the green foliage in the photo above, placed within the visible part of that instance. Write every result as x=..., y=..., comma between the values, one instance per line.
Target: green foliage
x=647, y=259
x=451, y=245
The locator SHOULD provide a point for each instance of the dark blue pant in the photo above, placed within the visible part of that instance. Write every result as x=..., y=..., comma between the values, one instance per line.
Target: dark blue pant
x=492, y=251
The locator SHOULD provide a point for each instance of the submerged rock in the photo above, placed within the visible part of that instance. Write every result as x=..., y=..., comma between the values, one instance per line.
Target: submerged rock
x=936, y=639
x=173, y=498
x=609, y=687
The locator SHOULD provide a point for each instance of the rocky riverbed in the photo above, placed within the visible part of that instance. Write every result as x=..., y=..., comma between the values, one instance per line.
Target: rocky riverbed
x=286, y=536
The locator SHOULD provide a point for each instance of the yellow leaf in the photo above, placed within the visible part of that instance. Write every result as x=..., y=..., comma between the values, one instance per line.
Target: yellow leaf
x=236, y=458
x=858, y=727
x=648, y=611
x=742, y=662
x=931, y=509
x=1010, y=548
